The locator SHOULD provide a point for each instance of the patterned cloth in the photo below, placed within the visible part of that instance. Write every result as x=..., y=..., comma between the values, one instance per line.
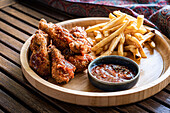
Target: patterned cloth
x=155, y=11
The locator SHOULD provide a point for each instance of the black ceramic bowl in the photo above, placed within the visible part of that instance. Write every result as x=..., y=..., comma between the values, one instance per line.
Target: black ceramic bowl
x=114, y=86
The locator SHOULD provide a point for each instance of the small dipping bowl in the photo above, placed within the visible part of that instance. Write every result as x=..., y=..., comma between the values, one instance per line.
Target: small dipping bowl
x=116, y=60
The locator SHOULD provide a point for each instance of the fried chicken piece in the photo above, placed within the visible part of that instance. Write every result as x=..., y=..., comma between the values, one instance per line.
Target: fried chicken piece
x=78, y=32
x=39, y=60
x=81, y=44
x=62, y=70
x=62, y=38
x=81, y=61
x=44, y=34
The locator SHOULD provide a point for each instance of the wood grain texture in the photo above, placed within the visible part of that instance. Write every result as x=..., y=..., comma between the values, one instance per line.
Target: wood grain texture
x=1, y=111
x=17, y=23
x=13, y=43
x=11, y=105
x=4, y=3
x=168, y=87
x=24, y=95
x=21, y=16
x=131, y=108
x=154, y=106
x=163, y=97
x=150, y=82
x=18, y=34
x=9, y=53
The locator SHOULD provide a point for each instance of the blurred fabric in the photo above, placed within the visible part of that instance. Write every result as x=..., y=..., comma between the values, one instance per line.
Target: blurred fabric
x=156, y=12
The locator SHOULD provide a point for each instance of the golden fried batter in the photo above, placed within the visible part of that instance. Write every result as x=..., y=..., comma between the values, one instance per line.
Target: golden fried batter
x=62, y=70
x=39, y=60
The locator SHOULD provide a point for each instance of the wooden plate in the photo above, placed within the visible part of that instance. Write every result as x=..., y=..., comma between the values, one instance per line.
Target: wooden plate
x=154, y=76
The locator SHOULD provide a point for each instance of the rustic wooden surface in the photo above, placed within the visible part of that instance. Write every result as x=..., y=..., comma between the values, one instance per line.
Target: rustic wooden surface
x=17, y=22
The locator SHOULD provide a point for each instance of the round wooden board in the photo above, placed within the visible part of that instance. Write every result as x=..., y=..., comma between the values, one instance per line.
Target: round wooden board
x=154, y=75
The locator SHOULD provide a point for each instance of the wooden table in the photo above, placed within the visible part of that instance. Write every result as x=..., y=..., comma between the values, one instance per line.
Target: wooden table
x=18, y=21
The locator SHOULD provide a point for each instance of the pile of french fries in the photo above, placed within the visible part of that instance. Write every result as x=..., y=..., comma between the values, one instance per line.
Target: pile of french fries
x=121, y=34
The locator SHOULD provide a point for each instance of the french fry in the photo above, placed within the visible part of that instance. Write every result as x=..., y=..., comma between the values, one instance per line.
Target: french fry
x=106, y=47
x=152, y=44
x=106, y=33
x=128, y=47
x=120, y=45
x=137, y=43
x=115, y=22
x=112, y=46
x=132, y=26
x=95, y=27
x=99, y=51
x=140, y=21
x=142, y=30
x=98, y=36
x=118, y=14
x=123, y=32
x=136, y=54
x=115, y=28
x=111, y=16
x=139, y=36
x=129, y=31
x=134, y=50
x=147, y=37
x=110, y=37
x=116, y=53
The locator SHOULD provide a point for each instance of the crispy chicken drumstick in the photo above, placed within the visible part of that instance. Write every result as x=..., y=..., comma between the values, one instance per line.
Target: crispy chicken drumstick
x=62, y=70
x=39, y=60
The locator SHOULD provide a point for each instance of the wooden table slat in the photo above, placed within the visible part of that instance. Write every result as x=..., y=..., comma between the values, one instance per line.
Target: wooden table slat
x=46, y=10
x=1, y=111
x=26, y=96
x=154, y=106
x=10, y=104
x=13, y=43
x=168, y=88
x=12, y=69
x=33, y=13
x=9, y=53
x=163, y=97
x=18, y=34
x=131, y=108
x=21, y=16
x=4, y=3
x=104, y=110
x=17, y=23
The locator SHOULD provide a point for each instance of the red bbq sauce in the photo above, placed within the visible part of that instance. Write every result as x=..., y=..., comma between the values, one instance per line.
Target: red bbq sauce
x=112, y=73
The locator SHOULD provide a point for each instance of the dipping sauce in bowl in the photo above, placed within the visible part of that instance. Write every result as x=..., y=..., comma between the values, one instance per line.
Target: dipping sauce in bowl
x=112, y=73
